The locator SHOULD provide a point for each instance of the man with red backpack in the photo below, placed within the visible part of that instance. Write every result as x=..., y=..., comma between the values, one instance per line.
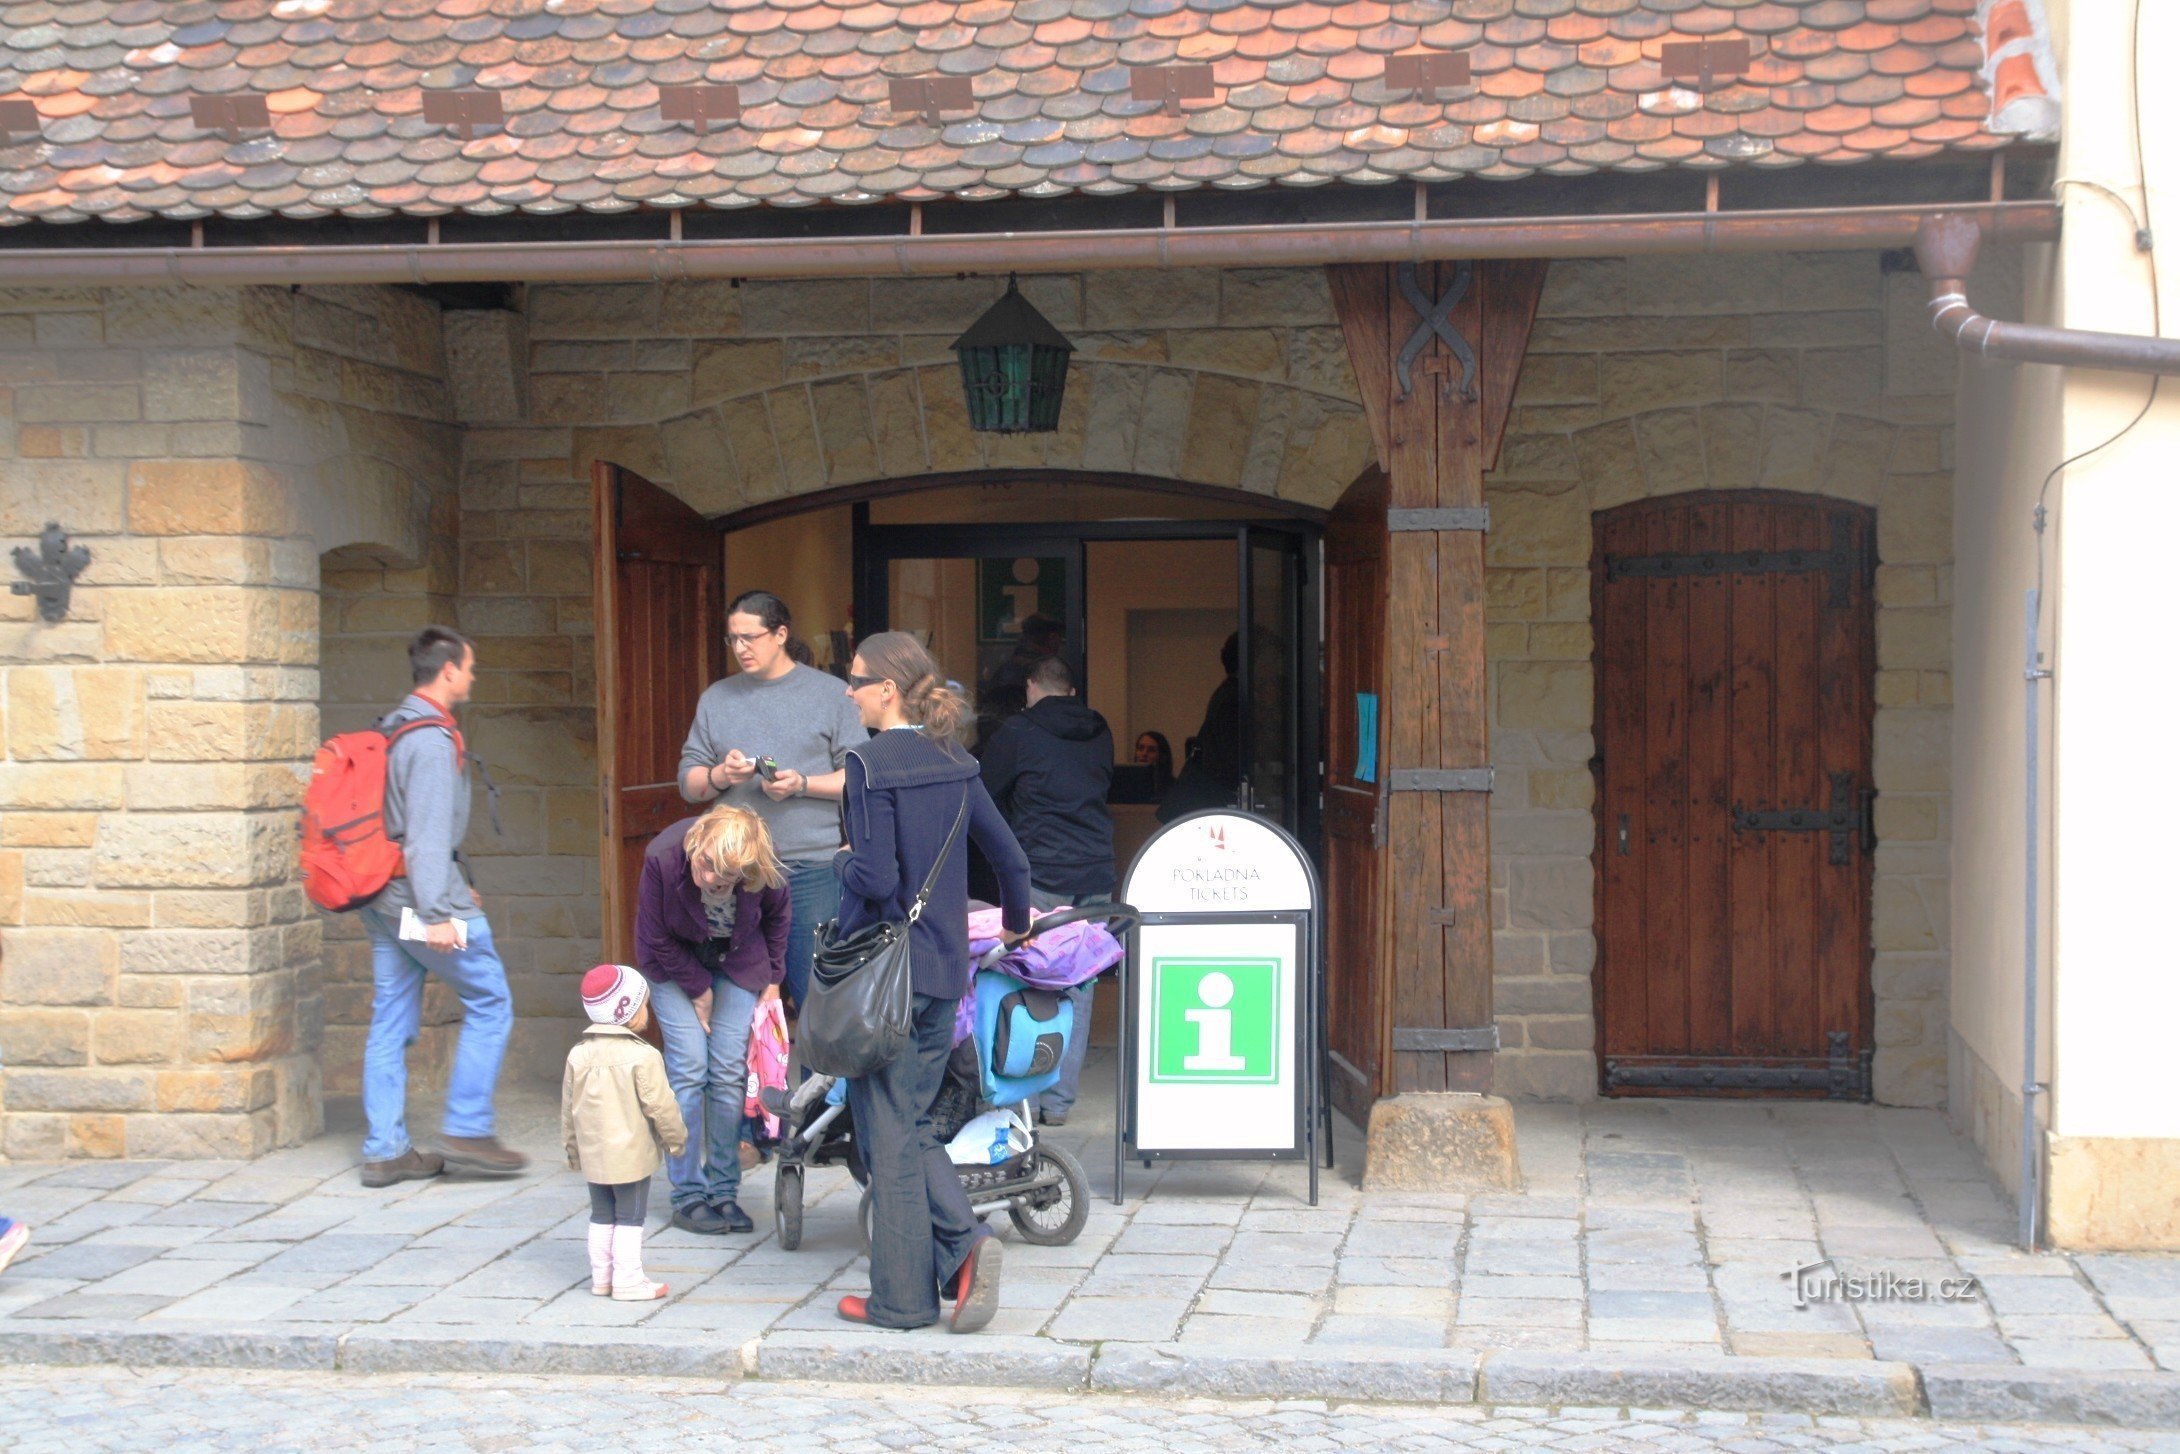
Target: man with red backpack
x=426, y=811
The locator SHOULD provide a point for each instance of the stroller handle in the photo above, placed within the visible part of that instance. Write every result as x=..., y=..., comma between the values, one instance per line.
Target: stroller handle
x=1119, y=917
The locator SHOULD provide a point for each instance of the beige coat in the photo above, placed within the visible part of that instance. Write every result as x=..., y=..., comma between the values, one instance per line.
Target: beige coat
x=616, y=1111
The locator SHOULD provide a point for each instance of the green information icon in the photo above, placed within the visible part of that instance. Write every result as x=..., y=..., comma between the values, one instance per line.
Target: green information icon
x=1215, y=1021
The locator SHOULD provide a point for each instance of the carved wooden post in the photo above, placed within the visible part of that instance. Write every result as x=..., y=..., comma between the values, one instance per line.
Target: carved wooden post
x=1436, y=349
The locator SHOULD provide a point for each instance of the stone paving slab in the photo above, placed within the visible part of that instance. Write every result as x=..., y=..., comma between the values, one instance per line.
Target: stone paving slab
x=1651, y=1248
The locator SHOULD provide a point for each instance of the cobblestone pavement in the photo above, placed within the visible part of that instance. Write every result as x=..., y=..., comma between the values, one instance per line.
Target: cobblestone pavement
x=1658, y=1228
x=74, y=1411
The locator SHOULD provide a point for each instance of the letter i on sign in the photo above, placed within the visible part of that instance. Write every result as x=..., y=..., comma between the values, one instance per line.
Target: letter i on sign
x=1214, y=1027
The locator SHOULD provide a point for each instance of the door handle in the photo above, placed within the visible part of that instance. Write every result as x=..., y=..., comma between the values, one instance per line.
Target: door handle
x=1623, y=835
x=1869, y=820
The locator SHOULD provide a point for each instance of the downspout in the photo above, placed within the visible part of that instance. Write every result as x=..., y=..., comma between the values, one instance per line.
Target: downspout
x=1945, y=246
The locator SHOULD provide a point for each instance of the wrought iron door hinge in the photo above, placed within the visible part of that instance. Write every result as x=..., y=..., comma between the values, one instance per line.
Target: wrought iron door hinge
x=1439, y=780
x=1848, y=819
x=1459, y=517
x=1844, y=1075
x=1843, y=566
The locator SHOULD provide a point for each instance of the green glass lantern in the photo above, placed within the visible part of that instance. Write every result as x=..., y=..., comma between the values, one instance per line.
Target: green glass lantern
x=1013, y=368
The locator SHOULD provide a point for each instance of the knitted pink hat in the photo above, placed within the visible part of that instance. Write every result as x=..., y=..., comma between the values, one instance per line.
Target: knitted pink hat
x=613, y=993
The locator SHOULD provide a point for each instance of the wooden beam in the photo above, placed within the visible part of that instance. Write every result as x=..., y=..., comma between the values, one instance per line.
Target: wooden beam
x=1437, y=433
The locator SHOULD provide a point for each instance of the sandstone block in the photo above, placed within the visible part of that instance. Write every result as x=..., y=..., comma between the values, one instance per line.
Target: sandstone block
x=11, y=886
x=1720, y=283
x=1513, y=595
x=77, y=402
x=1534, y=529
x=1222, y=416
x=1551, y=994
x=1421, y=1141
x=729, y=369
x=211, y=624
x=1227, y=350
x=646, y=398
x=1177, y=298
x=208, y=1091
x=1913, y=751
x=208, y=383
x=195, y=850
x=1914, y=639
x=1544, y=694
x=61, y=785
x=44, y=1037
x=78, y=1089
x=86, y=908
x=85, y=495
x=57, y=966
x=785, y=307
x=594, y=310
x=210, y=497
x=842, y=411
x=1274, y=296
x=1546, y=1075
x=75, y=713
x=96, y=1137
x=201, y=1138
x=486, y=363
x=135, y=1037
x=1635, y=383
x=35, y=1138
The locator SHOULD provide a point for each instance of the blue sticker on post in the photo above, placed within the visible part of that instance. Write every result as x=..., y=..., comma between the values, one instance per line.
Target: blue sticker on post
x=1366, y=737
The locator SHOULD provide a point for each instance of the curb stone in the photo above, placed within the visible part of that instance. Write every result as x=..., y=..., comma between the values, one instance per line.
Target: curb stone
x=1845, y=1386
x=1749, y=1384
x=2001, y=1393
x=89, y=1343
x=598, y=1351
x=1387, y=1375
x=1003, y=1361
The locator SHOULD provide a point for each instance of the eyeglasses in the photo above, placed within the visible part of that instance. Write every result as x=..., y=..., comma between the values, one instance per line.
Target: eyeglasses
x=856, y=683
x=748, y=638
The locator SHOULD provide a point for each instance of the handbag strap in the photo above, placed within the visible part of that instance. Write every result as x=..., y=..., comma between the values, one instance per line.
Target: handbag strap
x=931, y=879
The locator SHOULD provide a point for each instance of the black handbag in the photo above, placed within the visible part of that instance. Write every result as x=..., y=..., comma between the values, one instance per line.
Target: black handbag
x=861, y=1006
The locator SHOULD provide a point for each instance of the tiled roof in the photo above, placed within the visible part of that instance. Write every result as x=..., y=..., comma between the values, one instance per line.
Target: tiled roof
x=1559, y=86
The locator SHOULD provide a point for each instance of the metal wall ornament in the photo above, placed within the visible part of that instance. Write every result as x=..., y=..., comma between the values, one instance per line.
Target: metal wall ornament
x=1013, y=368
x=51, y=570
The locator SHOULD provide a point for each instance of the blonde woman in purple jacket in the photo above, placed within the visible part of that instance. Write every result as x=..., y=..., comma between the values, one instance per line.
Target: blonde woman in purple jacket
x=712, y=911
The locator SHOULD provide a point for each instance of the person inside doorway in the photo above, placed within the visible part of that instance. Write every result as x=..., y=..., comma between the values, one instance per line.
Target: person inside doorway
x=1211, y=778
x=773, y=738
x=909, y=788
x=1050, y=769
x=1153, y=751
x=1006, y=691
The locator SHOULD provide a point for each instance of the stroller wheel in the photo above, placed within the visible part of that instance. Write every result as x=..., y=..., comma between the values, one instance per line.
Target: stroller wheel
x=787, y=1206
x=1053, y=1216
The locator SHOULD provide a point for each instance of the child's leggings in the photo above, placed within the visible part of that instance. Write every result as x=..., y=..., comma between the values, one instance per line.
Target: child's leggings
x=619, y=1205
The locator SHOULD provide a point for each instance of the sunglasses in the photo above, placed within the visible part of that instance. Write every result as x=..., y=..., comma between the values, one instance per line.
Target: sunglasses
x=856, y=683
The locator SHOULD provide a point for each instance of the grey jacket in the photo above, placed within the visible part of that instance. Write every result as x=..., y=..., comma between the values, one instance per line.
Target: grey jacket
x=427, y=813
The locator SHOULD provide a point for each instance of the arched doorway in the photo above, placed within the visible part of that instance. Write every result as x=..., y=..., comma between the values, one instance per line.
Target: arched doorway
x=1144, y=578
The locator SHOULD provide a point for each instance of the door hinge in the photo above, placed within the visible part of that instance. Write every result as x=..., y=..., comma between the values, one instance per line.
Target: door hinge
x=1848, y=819
x=1844, y=566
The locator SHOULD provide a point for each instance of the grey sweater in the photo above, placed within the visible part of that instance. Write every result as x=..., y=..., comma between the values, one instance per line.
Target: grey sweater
x=802, y=720
x=427, y=813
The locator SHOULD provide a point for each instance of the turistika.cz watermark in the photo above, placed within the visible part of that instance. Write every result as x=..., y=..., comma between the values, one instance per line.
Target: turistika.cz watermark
x=1821, y=1282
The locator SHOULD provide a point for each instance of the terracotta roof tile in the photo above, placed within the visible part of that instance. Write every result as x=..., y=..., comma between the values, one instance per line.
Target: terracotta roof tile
x=1560, y=85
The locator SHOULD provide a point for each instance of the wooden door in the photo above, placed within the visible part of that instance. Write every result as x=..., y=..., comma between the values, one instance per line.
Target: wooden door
x=1354, y=791
x=659, y=575
x=1735, y=654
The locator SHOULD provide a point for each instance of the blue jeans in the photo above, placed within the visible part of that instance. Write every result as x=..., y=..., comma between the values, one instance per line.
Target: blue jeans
x=479, y=980
x=816, y=891
x=709, y=1076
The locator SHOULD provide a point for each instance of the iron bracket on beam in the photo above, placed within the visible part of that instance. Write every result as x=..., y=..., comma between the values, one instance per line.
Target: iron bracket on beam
x=1455, y=1038
x=1438, y=780
x=1461, y=517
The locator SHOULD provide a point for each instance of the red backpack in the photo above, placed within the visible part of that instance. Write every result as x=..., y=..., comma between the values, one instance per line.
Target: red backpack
x=347, y=858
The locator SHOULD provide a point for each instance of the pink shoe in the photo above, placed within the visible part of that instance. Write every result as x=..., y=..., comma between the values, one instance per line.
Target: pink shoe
x=14, y=1236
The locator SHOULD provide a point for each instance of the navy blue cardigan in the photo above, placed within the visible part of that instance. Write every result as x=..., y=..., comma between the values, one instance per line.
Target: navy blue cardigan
x=903, y=793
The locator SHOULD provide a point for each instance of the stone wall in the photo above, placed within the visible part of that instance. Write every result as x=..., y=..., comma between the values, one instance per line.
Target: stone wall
x=159, y=987
x=1650, y=376
x=729, y=395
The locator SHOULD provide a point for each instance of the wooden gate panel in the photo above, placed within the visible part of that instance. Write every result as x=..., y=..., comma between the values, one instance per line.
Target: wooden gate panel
x=1729, y=682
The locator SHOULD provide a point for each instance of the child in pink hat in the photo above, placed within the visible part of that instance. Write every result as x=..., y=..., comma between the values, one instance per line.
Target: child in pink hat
x=617, y=1115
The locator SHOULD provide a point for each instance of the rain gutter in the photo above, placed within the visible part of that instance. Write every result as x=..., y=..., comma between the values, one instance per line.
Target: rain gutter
x=1945, y=246
x=948, y=254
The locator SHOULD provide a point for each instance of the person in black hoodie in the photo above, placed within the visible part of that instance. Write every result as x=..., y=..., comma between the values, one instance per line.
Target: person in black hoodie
x=1050, y=768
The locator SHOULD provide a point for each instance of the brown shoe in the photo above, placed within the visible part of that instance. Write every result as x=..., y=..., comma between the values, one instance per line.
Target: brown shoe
x=482, y=1156
x=750, y=1155
x=410, y=1165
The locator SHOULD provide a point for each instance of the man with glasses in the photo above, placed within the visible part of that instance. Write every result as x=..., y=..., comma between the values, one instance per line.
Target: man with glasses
x=772, y=738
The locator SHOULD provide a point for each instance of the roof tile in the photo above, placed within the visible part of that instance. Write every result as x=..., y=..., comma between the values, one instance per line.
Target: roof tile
x=1563, y=86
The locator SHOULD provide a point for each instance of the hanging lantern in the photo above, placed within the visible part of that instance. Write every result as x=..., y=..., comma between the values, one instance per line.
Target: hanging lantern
x=1013, y=368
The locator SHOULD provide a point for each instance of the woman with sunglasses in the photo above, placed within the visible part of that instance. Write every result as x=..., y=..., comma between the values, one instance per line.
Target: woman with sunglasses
x=905, y=790
x=772, y=738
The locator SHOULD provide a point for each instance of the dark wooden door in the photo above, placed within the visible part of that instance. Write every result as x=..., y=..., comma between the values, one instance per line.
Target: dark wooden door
x=1735, y=657
x=661, y=634
x=1354, y=792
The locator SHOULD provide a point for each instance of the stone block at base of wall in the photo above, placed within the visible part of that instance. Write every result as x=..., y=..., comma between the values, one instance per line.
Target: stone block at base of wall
x=1441, y=1142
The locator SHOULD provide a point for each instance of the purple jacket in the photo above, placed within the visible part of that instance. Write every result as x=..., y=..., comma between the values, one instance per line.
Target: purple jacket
x=674, y=942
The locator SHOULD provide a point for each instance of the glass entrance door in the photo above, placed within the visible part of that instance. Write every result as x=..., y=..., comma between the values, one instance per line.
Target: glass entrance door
x=1278, y=679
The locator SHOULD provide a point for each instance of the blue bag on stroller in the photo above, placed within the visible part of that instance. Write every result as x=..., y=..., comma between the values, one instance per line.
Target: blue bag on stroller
x=1022, y=1032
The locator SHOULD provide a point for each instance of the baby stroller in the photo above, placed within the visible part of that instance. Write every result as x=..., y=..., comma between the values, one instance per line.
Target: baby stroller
x=1009, y=1040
